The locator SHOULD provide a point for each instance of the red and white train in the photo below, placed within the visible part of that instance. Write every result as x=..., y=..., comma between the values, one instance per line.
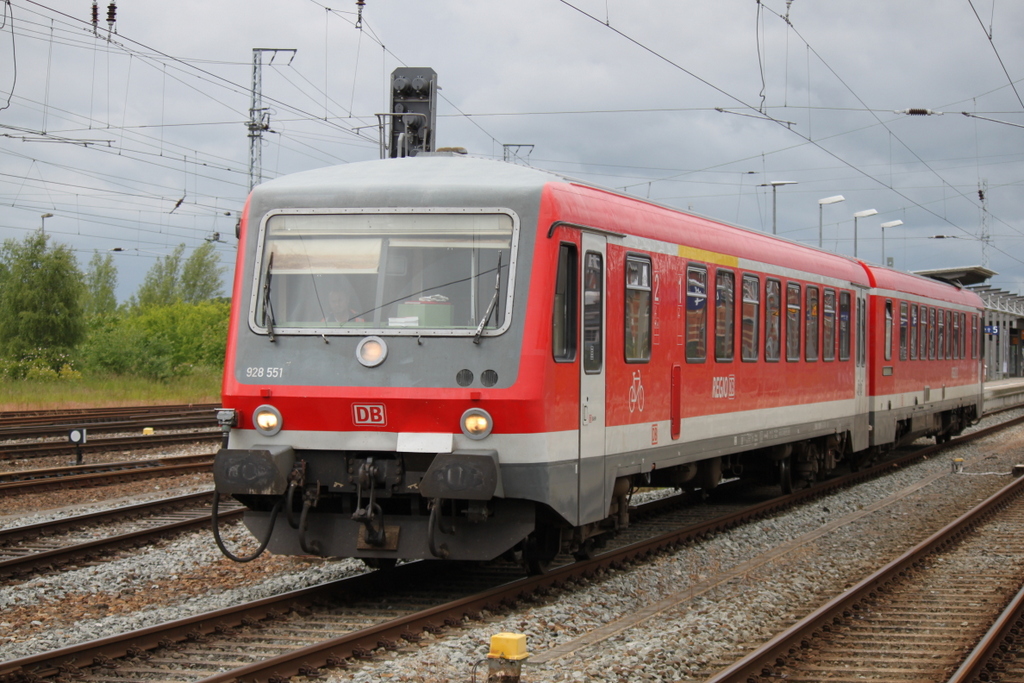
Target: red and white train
x=450, y=357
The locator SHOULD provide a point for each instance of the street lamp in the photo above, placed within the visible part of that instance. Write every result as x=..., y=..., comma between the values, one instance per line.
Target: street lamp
x=859, y=214
x=822, y=202
x=42, y=219
x=774, y=184
x=890, y=224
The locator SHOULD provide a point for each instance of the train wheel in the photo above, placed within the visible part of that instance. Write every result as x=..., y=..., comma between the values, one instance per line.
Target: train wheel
x=540, y=549
x=786, y=475
x=587, y=550
x=536, y=562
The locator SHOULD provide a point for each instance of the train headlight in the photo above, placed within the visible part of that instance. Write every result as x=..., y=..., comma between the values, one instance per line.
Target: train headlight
x=371, y=351
x=267, y=420
x=476, y=423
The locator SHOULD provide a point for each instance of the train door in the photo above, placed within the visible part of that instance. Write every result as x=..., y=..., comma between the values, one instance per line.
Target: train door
x=861, y=401
x=591, y=480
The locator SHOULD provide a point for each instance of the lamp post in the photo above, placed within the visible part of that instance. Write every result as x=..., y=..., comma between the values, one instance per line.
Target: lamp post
x=774, y=184
x=42, y=219
x=859, y=214
x=822, y=202
x=890, y=224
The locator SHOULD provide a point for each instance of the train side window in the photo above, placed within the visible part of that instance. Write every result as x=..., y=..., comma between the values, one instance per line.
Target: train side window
x=913, y=332
x=696, y=314
x=593, y=312
x=750, y=316
x=904, y=336
x=940, y=340
x=844, y=325
x=793, y=321
x=974, y=336
x=828, y=325
x=931, y=334
x=924, y=333
x=948, y=348
x=963, y=335
x=563, y=318
x=950, y=335
x=772, y=319
x=725, y=315
x=956, y=335
x=638, y=309
x=811, y=324
x=888, y=329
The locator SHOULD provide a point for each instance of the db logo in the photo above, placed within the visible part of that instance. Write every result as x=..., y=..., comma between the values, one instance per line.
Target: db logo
x=369, y=414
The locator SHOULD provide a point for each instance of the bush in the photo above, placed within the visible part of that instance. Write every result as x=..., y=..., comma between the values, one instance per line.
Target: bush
x=41, y=365
x=159, y=342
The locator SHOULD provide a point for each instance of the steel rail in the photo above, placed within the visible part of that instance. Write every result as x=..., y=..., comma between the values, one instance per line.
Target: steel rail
x=98, y=476
x=50, y=472
x=766, y=660
x=98, y=414
x=1005, y=629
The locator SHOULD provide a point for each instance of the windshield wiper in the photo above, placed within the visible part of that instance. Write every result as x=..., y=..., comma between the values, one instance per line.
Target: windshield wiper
x=490, y=306
x=268, y=307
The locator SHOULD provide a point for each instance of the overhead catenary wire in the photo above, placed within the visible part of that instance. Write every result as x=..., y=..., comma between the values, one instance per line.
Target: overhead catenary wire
x=757, y=113
x=991, y=42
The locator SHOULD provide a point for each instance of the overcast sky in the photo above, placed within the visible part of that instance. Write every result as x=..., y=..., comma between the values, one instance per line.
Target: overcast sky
x=692, y=104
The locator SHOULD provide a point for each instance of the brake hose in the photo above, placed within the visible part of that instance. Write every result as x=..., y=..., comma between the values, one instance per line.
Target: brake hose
x=220, y=542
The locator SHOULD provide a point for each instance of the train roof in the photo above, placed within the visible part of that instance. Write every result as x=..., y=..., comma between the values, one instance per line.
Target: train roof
x=431, y=178
x=453, y=179
x=897, y=280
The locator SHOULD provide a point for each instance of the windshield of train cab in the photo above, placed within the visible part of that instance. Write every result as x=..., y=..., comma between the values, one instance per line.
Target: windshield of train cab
x=432, y=272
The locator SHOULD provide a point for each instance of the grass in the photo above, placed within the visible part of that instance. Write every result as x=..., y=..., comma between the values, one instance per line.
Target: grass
x=202, y=386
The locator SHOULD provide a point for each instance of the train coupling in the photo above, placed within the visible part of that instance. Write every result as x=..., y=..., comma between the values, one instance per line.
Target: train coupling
x=259, y=471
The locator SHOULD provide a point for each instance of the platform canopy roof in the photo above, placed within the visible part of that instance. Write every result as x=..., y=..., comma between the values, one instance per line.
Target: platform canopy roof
x=964, y=276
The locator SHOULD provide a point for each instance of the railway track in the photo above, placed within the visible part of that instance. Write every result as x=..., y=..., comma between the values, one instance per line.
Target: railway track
x=45, y=433
x=32, y=481
x=63, y=542
x=342, y=622
x=914, y=618
x=193, y=420
x=15, y=419
x=43, y=449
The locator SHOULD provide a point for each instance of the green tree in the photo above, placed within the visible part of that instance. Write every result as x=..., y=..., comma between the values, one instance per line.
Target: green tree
x=169, y=282
x=100, y=284
x=201, y=276
x=40, y=298
x=160, y=288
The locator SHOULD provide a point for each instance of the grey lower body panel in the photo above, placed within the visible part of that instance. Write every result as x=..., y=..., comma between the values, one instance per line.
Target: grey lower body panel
x=923, y=418
x=407, y=536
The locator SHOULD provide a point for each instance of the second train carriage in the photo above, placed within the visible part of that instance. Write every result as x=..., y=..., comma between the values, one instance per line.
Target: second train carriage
x=451, y=357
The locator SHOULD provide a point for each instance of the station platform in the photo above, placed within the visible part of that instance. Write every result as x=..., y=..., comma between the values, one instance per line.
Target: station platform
x=1004, y=393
